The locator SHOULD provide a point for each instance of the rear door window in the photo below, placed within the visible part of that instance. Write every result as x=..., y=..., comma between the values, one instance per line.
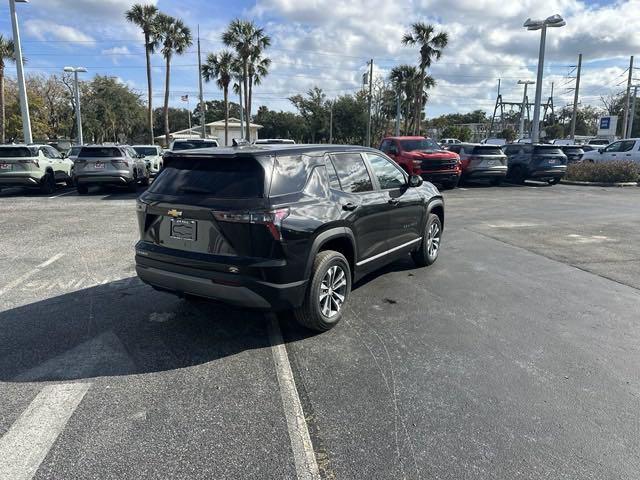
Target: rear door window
x=238, y=178
x=352, y=172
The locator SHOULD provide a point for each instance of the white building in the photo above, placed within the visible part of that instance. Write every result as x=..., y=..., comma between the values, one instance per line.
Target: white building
x=215, y=130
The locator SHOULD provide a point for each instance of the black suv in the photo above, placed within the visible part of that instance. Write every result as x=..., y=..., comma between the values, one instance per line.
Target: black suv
x=282, y=227
x=539, y=162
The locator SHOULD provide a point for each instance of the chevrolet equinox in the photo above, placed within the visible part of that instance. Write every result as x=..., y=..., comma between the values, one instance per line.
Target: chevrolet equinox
x=287, y=227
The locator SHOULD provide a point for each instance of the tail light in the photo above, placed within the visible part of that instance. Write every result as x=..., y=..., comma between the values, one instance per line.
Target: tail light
x=120, y=163
x=272, y=219
x=34, y=162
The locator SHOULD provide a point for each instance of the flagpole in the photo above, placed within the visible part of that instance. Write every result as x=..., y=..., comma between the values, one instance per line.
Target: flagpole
x=189, y=115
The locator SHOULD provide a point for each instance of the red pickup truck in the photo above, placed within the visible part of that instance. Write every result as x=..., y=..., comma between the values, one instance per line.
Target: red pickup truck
x=422, y=156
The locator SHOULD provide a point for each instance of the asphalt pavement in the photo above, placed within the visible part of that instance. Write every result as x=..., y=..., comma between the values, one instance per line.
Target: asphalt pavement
x=514, y=356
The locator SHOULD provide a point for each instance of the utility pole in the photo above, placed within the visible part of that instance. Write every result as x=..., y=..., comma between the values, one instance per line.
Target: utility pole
x=525, y=102
x=626, y=100
x=22, y=89
x=203, y=133
x=368, y=144
x=574, y=114
x=330, y=122
x=75, y=71
x=498, y=99
x=633, y=111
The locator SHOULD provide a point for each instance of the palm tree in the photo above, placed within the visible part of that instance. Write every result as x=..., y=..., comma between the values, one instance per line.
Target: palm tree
x=431, y=45
x=220, y=66
x=258, y=69
x=175, y=38
x=249, y=42
x=144, y=16
x=404, y=79
x=7, y=52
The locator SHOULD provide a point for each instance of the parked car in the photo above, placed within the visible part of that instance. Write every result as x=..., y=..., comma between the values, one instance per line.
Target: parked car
x=628, y=149
x=493, y=141
x=274, y=141
x=598, y=142
x=191, y=143
x=539, y=162
x=286, y=228
x=449, y=141
x=73, y=152
x=574, y=153
x=486, y=162
x=109, y=165
x=424, y=157
x=152, y=155
x=34, y=166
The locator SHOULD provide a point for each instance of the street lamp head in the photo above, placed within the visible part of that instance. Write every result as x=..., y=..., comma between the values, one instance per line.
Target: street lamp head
x=75, y=69
x=81, y=69
x=552, y=21
x=526, y=82
x=21, y=1
x=68, y=69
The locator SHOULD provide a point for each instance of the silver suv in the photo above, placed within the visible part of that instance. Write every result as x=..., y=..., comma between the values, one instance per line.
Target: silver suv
x=480, y=161
x=35, y=166
x=110, y=165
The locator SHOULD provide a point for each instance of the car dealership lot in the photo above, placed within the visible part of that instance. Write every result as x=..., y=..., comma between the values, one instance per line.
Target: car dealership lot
x=514, y=356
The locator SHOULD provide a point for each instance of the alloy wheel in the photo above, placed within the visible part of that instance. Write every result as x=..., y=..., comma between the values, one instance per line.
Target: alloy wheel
x=332, y=291
x=433, y=240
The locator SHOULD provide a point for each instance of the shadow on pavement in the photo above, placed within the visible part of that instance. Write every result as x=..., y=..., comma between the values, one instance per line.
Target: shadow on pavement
x=120, y=328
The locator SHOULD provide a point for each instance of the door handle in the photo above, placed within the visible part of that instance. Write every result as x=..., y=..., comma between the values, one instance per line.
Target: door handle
x=349, y=206
x=393, y=201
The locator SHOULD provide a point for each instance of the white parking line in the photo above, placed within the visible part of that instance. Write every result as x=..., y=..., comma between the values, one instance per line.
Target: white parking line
x=303, y=455
x=63, y=194
x=26, y=444
x=29, y=274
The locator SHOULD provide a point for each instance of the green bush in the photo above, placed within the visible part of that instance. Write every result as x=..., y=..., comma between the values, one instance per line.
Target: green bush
x=609, y=172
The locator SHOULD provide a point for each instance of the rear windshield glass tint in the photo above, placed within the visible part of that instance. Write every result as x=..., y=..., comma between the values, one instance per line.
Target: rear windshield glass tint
x=550, y=150
x=572, y=150
x=100, y=152
x=146, y=151
x=17, y=152
x=211, y=177
x=191, y=145
x=487, y=151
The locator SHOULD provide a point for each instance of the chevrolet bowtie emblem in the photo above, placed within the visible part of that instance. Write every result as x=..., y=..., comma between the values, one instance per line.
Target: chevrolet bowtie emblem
x=174, y=213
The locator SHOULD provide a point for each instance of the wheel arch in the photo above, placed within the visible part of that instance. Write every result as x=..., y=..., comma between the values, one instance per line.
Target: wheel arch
x=436, y=206
x=340, y=239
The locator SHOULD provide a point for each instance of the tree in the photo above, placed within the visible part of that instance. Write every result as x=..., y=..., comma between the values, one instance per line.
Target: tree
x=249, y=42
x=281, y=124
x=431, y=45
x=314, y=110
x=220, y=67
x=7, y=53
x=178, y=118
x=175, y=38
x=144, y=16
x=214, y=110
x=509, y=134
x=404, y=79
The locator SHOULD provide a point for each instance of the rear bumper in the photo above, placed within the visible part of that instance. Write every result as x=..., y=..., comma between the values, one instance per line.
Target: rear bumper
x=486, y=173
x=234, y=289
x=102, y=179
x=557, y=172
x=19, y=181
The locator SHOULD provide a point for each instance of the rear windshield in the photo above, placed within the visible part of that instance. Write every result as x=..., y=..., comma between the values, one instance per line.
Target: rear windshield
x=488, y=150
x=419, y=144
x=548, y=150
x=191, y=145
x=146, y=151
x=572, y=150
x=17, y=152
x=100, y=152
x=211, y=177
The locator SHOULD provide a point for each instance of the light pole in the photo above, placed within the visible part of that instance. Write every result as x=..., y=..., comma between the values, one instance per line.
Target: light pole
x=552, y=21
x=526, y=83
x=22, y=89
x=75, y=71
x=633, y=110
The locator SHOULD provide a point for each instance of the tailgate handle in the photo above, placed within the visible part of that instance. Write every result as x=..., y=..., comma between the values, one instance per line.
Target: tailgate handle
x=349, y=206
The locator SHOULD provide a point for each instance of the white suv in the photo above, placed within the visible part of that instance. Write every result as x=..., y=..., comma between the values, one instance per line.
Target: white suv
x=35, y=166
x=152, y=155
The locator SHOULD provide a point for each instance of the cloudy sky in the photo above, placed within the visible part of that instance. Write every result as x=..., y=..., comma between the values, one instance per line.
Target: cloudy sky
x=328, y=42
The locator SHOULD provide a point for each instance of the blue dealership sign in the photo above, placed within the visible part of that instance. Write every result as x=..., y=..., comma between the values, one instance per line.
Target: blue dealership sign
x=604, y=123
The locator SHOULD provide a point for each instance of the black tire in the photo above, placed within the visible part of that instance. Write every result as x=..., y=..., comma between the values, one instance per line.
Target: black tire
x=48, y=184
x=495, y=182
x=82, y=189
x=426, y=255
x=451, y=185
x=518, y=175
x=553, y=181
x=132, y=186
x=145, y=180
x=310, y=315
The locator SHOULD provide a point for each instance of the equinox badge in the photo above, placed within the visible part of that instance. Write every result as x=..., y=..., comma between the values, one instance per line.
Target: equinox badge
x=174, y=213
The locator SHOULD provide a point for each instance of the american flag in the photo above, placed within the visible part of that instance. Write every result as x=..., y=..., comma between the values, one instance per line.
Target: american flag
x=184, y=98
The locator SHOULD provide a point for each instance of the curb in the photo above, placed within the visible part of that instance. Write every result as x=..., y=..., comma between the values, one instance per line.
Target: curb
x=600, y=184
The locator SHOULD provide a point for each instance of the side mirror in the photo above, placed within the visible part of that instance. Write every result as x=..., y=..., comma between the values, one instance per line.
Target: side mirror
x=601, y=150
x=415, y=181
x=63, y=155
x=140, y=155
x=393, y=150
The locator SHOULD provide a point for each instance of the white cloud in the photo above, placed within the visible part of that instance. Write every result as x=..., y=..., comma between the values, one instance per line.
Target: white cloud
x=46, y=30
